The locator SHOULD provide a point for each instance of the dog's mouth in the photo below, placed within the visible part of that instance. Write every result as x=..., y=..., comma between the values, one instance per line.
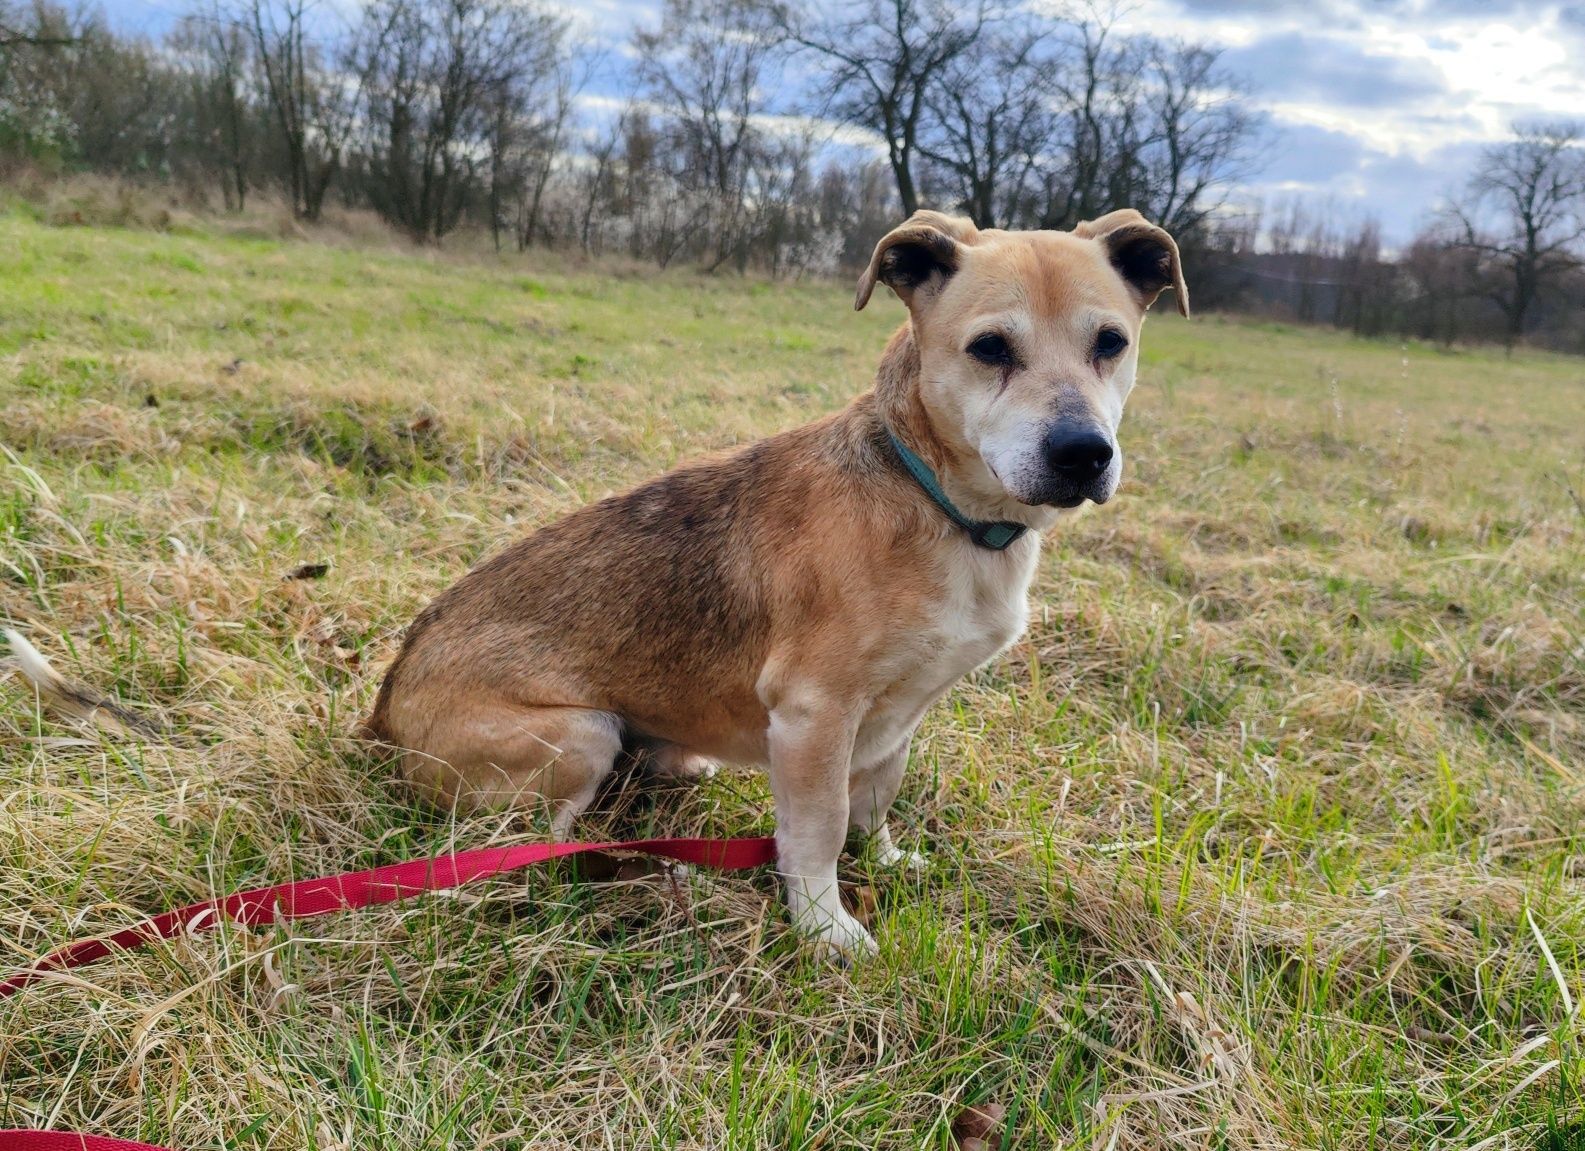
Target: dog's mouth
x=1051, y=492
x=1066, y=498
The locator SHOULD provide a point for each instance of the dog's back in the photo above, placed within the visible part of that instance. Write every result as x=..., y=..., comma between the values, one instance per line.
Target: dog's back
x=656, y=605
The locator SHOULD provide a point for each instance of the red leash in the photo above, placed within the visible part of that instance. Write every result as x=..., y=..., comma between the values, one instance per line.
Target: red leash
x=68, y=1141
x=308, y=897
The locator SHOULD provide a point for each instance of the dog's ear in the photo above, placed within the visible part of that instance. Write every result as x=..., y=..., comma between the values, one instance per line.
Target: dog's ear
x=1143, y=254
x=917, y=257
x=1090, y=229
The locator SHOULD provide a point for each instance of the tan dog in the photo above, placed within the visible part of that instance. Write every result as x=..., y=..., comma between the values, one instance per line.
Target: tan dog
x=801, y=602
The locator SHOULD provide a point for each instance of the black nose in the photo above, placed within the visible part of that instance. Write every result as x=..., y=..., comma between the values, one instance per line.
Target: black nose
x=1079, y=454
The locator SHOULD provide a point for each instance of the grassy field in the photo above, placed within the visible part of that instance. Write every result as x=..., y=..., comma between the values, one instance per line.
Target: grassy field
x=1269, y=834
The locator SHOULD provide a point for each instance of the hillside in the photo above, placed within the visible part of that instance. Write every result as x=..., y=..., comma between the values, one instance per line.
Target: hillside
x=1268, y=834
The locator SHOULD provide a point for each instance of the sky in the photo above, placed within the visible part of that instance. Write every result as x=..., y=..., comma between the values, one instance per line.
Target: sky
x=1372, y=107
x=1383, y=106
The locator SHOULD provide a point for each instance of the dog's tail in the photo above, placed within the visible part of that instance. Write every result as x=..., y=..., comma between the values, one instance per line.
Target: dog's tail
x=72, y=699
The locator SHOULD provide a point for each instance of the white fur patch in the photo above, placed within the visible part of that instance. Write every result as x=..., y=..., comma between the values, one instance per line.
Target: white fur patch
x=984, y=608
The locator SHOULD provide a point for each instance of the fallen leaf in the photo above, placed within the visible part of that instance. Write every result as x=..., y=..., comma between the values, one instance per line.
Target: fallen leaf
x=861, y=901
x=974, y=1126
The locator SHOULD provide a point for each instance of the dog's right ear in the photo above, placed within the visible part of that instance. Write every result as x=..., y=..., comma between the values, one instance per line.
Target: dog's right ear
x=916, y=258
x=1143, y=254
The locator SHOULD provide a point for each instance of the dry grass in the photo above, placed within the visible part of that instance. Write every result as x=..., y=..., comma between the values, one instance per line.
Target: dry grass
x=1268, y=834
x=88, y=200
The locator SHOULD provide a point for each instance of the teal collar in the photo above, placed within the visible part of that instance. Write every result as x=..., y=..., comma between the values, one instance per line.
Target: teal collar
x=995, y=535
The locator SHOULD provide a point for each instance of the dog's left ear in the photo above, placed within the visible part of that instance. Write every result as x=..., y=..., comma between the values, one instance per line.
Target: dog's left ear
x=917, y=257
x=1143, y=254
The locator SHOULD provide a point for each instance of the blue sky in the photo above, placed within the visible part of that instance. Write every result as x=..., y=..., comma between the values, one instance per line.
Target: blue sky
x=1376, y=106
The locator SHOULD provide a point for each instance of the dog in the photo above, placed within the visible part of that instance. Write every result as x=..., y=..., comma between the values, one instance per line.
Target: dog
x=802, y=602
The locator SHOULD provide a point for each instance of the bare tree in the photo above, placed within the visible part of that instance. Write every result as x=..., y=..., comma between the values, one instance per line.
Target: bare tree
x=599, y=180
x=855, y=205
x=1523, y=214
x=704, y=70
x=544, y=138
x=701, y=68
x=992, y=115
x=15, y=33
x=214, y=48
x=441, y=112
x=1367, y=285
x=784, y=228
x=1096, y=85
x=38, y=57
x=445, y=82
x=879, y=60
x=309, y=101
x=73, y=91
x=1199, y=130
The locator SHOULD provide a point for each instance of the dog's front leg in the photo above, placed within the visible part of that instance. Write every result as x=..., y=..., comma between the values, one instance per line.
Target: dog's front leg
x=811, y=748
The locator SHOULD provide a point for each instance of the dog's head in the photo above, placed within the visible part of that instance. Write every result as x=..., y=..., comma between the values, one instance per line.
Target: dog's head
x=1028, y=343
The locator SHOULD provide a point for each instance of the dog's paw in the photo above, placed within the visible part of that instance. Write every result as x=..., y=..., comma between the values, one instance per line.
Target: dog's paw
x=701, y=768
x=840, y=937
x=672, y=762
x=892, y=856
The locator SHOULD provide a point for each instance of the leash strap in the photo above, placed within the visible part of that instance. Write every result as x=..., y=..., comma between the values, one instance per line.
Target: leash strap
x=995, y=535
x=68, y=1141
x=352, y=889
x=308, y=897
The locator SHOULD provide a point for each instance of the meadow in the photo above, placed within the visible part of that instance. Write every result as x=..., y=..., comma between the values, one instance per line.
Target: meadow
x=1270, y=833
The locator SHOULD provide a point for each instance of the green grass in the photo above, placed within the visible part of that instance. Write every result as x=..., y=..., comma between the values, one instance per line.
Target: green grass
x=1251, y=842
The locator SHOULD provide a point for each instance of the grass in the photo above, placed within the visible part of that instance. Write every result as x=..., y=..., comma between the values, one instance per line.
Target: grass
x=1269, y=833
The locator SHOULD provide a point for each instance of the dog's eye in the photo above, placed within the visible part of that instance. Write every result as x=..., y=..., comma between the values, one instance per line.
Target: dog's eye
x=1110, y=344
x=991, y=349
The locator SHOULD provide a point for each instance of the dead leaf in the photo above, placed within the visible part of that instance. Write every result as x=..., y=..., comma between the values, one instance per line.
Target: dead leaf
x=861, y=900
x=973, y=1128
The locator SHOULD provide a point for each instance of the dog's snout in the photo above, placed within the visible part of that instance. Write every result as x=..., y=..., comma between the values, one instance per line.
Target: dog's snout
x=1077, y=454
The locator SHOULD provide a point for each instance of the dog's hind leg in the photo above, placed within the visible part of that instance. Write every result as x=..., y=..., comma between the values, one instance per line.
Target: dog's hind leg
x=674, y=762
x=871, y=793
x=488, y=754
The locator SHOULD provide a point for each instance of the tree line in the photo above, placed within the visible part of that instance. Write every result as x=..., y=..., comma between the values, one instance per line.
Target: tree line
x=1502, y=259
x=731, y=133
x=780, y=135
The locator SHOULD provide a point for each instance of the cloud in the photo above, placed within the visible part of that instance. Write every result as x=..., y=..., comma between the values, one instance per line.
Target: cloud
x=1354, y=13
x=1382, y=107
x=1483, y=9
x=1399, y=189
x=1571, y=24
x=1311, y=156
x=1330, y=10
x=1297, y=67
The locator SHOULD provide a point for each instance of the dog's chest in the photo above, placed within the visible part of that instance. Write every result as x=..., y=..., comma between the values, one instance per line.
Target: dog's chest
x=982, y=607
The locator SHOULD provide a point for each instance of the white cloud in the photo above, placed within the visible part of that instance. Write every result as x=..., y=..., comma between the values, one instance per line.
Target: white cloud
x=1381, y=106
